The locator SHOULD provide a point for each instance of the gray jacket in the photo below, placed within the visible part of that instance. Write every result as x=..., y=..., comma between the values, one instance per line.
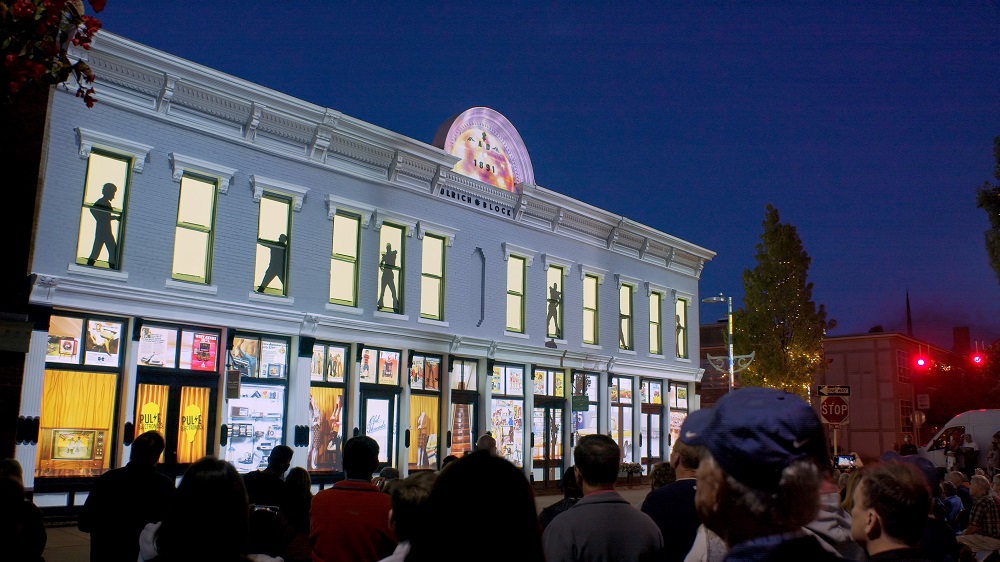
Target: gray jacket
x=602, y=526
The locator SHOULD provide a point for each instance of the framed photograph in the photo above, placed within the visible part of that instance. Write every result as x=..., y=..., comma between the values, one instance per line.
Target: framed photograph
x=336, y=358
x=369, y=365
x=388, y=363
x=432, y=368
x=73, y=444
x=63, y=344
x=275, y=370
x=103, y=339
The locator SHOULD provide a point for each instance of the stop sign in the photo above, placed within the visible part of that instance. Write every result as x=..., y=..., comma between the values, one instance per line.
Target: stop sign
x=833, y=409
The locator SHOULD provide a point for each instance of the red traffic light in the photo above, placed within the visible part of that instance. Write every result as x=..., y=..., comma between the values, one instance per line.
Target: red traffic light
x=922, y=362
x=978, y=358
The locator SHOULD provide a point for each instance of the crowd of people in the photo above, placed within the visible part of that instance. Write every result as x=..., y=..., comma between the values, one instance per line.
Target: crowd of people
x=749, y=479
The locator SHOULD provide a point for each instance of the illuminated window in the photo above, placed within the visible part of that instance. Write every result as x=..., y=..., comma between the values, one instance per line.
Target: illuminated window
x=273, y=227
x=432, y=278
x=554, y=302
x=682, y=322
x=655, y=322
x=515, y=294
x=193, y=235
x=590, y=324
x=621, y=415
x=625, y=316
x=390, y=267
x=344, y=259
x=102, y=217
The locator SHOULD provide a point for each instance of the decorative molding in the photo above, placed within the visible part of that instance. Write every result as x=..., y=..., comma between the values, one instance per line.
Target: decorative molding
x=335, y=203
x=613, y=237
x=621, y=279
x=181, y=164
x=166, y=93
x=137, y=151
x=549, y=259
x=381, y=215
x=253, y=121
x=656, y=288
x=192, y=287
x=528, y=255
x=595, y=271
x=644, y=248
x=391, y=315
x=106, y=274
x=430, y=322
x=271, y=299
x=491, y=351
x=558, y=218
x=261, y=184
x=516, y=335
x=333, y=307
x=446, y=231
x=455, y=344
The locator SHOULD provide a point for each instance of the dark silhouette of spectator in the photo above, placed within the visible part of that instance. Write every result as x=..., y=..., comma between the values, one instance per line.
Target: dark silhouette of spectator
x=969, y=452
x=266, y=487
x=571, y=494
x=891, y=504
x=103, y=213
x=663, y=474
x=388, y=265
x=209, y=518
x=408, y=515
x=296, y=500
x=951, y=504
x=758, y=484
x=487, y=443
x=276, y=265
x=962, y=491
x=602, y=525
x=479, y=488
x=385, y=477
x=350, y=521
x=122, y=501
x=907, y=448
x=447, y=460
x=672, y=507
x=983, y=532
x=832, y=523
x=22, y=531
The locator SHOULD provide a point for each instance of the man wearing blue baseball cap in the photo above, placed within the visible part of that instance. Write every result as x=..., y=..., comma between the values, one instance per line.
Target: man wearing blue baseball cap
x=759, y=483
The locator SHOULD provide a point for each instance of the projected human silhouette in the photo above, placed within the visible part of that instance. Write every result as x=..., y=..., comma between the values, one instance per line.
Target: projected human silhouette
x=387, y=265
x=103, y=214
x=555, y=298
x=276, y=267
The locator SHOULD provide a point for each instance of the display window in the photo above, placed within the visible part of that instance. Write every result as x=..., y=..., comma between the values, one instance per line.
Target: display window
x=329, y=363
x=255, y=424
x=378, y=415
x=678, y=403
x=585, y=405
x=259, y=357
x=463, y=374
x=508, y=380
x=549, y=382
x=621, y=415
x=158, y=348
x=464, y=405
x=379, y=366
x=425, y=372
x=424, y=429
x=507, y=416
x=327, y=406
x=650, y=423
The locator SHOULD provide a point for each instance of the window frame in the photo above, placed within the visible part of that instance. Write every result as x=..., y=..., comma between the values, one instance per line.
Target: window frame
x=560, y=332
x=124, y=192
x=398, y=267
x=289, y=201
x=355, y=260
x=656, y=323
x=681, y=334
x=518, y=295
x=438, y=279
x=627, y=334
x=596, y=310
x=210, y=245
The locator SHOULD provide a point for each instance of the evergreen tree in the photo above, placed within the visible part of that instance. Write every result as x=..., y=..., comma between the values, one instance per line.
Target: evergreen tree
x=988, y=199
x=779, y=322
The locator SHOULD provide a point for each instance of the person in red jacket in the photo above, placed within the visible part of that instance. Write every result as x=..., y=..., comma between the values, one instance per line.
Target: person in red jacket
x=350, y=521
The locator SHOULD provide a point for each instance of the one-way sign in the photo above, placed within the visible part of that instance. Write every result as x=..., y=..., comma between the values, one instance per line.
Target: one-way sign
x=834, y=390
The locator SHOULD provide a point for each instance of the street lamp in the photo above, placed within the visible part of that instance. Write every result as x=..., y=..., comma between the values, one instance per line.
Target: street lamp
x=744, y=360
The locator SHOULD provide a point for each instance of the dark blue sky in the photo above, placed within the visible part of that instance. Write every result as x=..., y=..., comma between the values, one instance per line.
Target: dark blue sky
x=868, y=125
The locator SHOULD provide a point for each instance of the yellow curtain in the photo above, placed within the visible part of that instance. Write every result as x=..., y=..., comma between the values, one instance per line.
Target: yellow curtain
x=78, y=400
x=191, y=431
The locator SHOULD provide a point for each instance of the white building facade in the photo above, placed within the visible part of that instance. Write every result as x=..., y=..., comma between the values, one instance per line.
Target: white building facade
x=263, y=270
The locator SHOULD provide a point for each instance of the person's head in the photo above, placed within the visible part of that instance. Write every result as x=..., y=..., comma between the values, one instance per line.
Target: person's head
x=956, y=478
x=684, y=456
x=482, y=487
x=487, y=443
x=597, y=460
x=299, y=481
x=662, y=475
x=448, y=460
x=967, y=437
x=891, y=505
x=389, y=473
x=280, y=459
x=388, y=246
x=209, y=515
x=360, y=457
x=907, y=439
x=109, y=190
x=948, y=489
x=979, y=486
x=10, y=469
x=570, y=485
x=408, y=498
x=758, y=476
x=996, y=483
x=147, y=448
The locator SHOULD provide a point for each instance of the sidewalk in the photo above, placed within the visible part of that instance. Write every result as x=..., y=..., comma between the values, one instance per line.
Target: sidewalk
x=66, y=543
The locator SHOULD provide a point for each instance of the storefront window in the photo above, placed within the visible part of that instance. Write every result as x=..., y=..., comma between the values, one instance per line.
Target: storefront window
x=463, y=374
x=650, y=423
x=549, y=382
x=158, y=348
x=585, y=405
x=678, y=403
x=256, y=419
x=507, y=412
x=380, y=366
x=327, y=406
x=257, y=357
x=425, y=408
x=621, y=415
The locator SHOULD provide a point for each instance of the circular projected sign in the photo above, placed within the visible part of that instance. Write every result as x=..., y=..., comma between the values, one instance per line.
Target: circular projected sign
x=490, y=149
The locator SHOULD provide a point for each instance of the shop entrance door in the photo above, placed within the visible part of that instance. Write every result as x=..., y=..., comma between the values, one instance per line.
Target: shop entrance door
x=650, y=429
x=547, y=443
x=463, y=424
x=378, y=421
x=183, y=409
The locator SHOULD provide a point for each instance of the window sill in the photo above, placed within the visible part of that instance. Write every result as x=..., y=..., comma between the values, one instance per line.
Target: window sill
x=428, y=321
x=656, y=356
x=683, y=359
x=626, y=351
x=590, y=346
x=344, y=309
x=393, y=315
x=271, y=299
x=98, y=272
x=516, y=335
x=559, y=342
x=192, y=287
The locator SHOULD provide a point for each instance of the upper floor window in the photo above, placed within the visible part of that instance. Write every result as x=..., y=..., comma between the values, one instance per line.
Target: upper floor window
x=193, y=235
x=432, y=278
x=625, y=316
x=554, y=300
x=655, y=323
x=390, y=267
x=273, y=228
x=102, y=218
x=903, y=366
x=515, y=294
x=590, y=311
x=344, y=259
x=681, y=310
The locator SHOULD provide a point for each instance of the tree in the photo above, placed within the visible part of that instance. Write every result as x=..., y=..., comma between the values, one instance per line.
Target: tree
x=779, y=322
x=988, y=199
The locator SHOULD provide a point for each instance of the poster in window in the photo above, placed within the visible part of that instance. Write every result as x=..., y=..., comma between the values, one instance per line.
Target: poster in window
x=625, y=391
x=506, y=423
x=244, y=355
x=422, y=453
x=369, y=365
x=335, y=360
x=515, y=381
x=388, y=367
x=682, y=396
x=496, y=380
x=676, y=420
x=559, y=383
x=102, y=343
x=326, y=414
x=272, y=357
x=316, y=365
x=657, y=389
x=614, y=391
x=432, y=373
x=157, y=347
x=539, y=382
x=377, y=425
x=64, y=340
x=417, y=372
x=199, y=350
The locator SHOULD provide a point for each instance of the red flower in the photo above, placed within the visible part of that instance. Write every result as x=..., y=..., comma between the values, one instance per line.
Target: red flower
x=97, y=5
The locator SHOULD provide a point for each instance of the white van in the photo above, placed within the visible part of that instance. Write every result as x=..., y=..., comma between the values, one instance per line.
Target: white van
x=981, y=424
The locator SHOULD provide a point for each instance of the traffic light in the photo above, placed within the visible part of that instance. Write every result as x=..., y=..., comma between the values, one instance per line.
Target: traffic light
x=922, y=362
x=978, y=358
